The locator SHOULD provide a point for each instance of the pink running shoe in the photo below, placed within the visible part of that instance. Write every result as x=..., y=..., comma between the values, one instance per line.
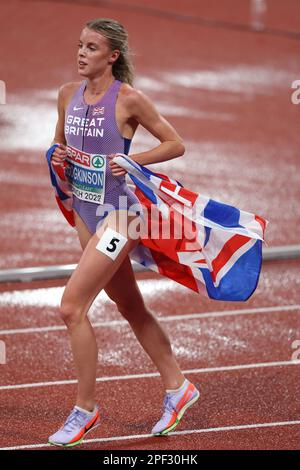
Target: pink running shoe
x=174, y=406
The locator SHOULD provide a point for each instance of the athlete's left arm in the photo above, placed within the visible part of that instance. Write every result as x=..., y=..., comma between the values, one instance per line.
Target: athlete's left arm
x=145, y=113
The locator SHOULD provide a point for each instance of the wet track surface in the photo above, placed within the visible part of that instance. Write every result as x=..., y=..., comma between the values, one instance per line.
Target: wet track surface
x=227, y=90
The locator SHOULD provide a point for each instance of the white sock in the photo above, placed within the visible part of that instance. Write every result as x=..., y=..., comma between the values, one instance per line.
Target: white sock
x=86, y=411
x=178, y=389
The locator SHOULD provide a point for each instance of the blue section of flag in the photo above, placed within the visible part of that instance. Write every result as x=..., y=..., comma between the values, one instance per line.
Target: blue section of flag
x=127, y=143
x=241, y=280
x=207, y=235
x=147, y=191
x=222, y=214
x=62, y=196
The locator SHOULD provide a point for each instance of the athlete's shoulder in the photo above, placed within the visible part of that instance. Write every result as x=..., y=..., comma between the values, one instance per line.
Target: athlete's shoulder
x=132, y=96
x=67, y=90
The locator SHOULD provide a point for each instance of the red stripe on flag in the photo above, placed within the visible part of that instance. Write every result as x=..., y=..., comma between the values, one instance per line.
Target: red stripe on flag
x=176, y=272
x=60, y=170
x=183, y=192
x=262, y=222
x=229, y=248
x=67, y=213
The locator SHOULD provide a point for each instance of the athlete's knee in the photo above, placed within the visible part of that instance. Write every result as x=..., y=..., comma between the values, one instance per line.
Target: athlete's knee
x=70, y=313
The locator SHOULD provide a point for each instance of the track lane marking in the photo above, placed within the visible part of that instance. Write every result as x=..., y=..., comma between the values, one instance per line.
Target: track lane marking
x=175, y=433
x=191, y=316
x=154, y=374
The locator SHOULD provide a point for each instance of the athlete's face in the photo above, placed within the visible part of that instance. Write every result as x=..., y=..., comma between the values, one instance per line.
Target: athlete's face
x=94, y=54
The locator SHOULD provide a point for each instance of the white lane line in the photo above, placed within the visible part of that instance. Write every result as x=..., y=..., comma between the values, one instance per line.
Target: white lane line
x=191, y=316
x=154, y=374
x=175, y=433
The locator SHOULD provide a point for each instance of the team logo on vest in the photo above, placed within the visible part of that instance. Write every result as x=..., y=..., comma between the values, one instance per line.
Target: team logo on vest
x=98, y=161
x=97, y=110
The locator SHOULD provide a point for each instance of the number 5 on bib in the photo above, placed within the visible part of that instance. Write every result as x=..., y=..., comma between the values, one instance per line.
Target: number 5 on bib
x=111, y=243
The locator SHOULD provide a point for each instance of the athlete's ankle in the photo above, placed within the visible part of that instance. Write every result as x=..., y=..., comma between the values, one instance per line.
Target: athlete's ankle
x=175, y=382
x=86, y=406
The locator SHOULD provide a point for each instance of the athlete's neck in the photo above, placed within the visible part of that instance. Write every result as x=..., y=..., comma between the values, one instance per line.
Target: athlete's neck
x=98, y=86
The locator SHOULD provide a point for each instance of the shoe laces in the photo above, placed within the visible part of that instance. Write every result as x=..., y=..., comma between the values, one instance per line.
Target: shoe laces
x=76, y=419
x=168, y=406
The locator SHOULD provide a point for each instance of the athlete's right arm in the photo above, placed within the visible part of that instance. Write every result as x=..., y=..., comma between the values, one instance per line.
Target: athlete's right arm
x=60, y=154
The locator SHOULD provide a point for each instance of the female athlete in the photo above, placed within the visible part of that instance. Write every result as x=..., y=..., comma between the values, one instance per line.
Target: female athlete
x=97, y=118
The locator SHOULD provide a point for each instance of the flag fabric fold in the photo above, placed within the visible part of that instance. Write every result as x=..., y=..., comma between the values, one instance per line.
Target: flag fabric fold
x=208, y=246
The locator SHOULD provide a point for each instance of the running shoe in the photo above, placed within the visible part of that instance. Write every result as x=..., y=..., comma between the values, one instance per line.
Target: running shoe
x=77, y=425
x=174, y=406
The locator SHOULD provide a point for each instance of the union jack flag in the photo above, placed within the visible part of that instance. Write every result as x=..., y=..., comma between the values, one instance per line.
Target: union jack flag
x=97, y=110
x=219, y=249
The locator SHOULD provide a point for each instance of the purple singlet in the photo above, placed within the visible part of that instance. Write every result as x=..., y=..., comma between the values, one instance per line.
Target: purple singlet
x=93, y=131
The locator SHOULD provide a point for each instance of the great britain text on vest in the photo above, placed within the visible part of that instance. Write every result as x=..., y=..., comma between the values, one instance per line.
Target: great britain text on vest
x=84, y=126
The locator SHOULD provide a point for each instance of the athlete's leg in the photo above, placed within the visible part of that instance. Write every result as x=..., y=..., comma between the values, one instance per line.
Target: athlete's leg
x=130, y=304
x=92, y=273
x=84, y=234
x=124, y=291
x=87, y=333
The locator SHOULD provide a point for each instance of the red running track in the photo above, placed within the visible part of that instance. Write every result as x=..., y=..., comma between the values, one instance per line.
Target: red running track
x=228, y=92
x=239, y=355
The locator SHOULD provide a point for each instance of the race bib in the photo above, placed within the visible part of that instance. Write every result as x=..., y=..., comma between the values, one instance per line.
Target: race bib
x=86, y=175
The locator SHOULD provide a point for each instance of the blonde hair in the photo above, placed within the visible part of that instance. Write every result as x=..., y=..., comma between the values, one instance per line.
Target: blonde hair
x=117, y=38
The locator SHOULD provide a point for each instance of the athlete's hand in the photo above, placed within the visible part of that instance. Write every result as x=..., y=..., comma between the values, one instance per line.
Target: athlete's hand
x=116, y=169
x=59, y=155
